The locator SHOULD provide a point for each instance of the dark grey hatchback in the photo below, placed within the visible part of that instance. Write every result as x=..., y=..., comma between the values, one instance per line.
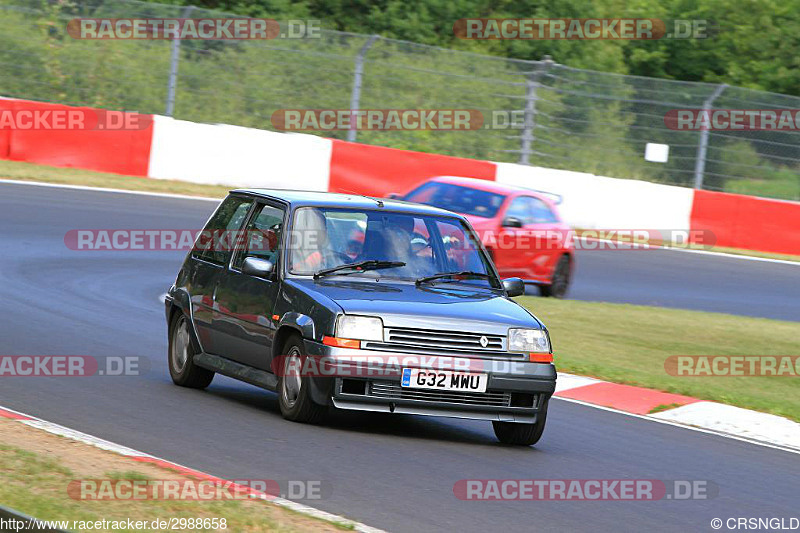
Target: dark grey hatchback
x=358, y=303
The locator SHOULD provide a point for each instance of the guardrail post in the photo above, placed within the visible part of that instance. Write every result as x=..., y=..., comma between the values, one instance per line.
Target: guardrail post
x=532, y=84
x=355, y=96
x=700, y=160
x=172, y=83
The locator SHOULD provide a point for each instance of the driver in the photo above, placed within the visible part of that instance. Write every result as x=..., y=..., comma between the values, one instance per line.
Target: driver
x=312, y=253
x=398, y=230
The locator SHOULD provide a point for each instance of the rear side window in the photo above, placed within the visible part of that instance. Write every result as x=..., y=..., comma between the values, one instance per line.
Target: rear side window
x=542, y=214
x=262, y=236
x=215, y=242
x=531, y=210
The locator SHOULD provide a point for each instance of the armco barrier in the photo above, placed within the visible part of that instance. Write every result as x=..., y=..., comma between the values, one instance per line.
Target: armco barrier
x=748, y=222
x=377, y=170
x=123, y=151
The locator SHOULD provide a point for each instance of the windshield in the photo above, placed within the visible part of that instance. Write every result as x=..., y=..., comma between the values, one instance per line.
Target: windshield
x=464, y=200
x=323, y=238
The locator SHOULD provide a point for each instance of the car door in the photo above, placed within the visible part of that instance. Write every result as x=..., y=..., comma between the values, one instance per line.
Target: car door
x=243, y=327
x=551, y=238
x=208, y=260
x=512, y=258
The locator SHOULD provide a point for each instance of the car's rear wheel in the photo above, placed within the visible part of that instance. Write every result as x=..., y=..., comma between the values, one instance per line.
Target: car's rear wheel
x=294, y=389
x=560, y=283
x=181, y=356
x=521, y=434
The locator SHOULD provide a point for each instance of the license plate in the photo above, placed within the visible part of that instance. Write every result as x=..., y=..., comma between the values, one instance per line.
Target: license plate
x=417, y=378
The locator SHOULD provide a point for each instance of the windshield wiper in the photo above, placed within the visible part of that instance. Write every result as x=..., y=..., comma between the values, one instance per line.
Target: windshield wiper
x=441, y=275
x=370, y=264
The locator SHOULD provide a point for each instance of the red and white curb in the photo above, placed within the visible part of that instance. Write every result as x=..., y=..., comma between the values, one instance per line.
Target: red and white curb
x=147, y=458
x=721, y=419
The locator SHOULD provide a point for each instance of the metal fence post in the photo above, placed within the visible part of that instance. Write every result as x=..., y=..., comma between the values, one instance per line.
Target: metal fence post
x=172, y=83
x=532, y=84
x=700, y=160
x=355, y=96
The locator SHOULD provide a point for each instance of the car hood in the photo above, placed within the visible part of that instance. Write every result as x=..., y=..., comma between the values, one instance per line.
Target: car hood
x=451, y=306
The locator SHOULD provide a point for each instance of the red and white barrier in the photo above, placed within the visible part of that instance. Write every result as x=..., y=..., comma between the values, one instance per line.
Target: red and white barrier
x=598, y=202
x=121, y=151
x=237, y=156
x=247, y=157
x=377, y=170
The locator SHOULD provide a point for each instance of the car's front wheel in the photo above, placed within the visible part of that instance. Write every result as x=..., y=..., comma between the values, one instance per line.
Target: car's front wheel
x=560, y=282
x=181, y=356
x=521, y=434
x=294, y=389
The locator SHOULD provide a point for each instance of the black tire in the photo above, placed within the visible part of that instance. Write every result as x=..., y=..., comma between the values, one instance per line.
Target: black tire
x=521, y=434
x=560, y=282
x=180, y=356
x=294, y=392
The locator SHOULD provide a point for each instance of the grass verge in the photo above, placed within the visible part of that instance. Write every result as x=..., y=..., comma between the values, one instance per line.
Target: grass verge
x=36, y=468
x=16, y=170
x=630, y=343
x=74, y=176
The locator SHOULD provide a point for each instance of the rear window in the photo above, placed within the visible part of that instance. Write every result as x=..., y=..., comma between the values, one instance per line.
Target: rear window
x=457, y=198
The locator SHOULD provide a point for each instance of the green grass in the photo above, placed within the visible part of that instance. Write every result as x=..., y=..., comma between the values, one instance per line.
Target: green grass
x=788, y=187
x=17, y=170
x=36, y=485
x=629, y=344
x=663, y=407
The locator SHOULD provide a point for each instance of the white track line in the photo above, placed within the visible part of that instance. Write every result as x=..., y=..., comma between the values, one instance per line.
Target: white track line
x=207, y=199
x=91, y=440
x=684, y=426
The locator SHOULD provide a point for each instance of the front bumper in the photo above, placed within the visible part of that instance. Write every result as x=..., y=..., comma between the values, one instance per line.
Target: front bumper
x=517, y=391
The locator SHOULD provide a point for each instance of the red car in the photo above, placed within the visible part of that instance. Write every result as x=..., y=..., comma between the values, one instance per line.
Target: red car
x=519, y=227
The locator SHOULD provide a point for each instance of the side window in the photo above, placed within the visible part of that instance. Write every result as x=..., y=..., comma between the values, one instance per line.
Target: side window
x=262, y=236
x=214, y=244
x=520, y=208
x=461, y=251
x=542, y=214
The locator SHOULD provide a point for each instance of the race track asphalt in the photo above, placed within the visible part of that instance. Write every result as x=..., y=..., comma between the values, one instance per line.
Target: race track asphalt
x=392, y=472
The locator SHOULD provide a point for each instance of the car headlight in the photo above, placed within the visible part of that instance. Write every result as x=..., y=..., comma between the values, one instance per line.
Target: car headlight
x=528, y=340
x=365, y=328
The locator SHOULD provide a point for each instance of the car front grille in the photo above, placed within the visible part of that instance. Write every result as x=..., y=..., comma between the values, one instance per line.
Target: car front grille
x=393, y=391
x=438, y=341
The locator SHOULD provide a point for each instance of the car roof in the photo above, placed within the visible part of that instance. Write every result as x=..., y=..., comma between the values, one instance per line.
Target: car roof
x=344, y=200
x=499, y=188
x=484, y=185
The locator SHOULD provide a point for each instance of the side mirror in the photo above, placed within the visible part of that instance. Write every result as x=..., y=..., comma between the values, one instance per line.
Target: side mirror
x=394, y=196
x=512, y=222
x=514, y=287
x=259, y=268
